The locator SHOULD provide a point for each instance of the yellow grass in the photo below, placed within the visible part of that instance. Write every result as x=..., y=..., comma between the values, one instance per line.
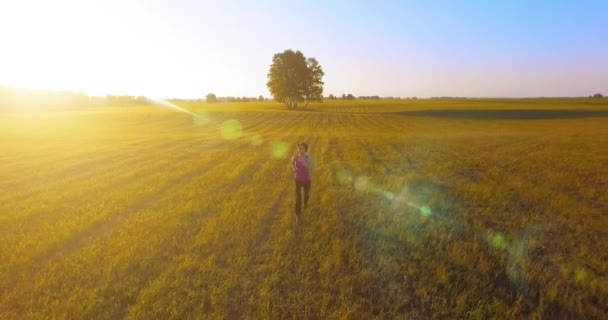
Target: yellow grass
x=146, y=212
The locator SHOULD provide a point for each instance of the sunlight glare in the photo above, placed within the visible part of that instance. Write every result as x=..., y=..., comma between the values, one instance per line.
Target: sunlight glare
x=279, y=149
x=231, y=129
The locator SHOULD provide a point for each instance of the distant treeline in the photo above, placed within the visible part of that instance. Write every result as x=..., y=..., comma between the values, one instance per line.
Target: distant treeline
x=127, y=100
x=212, y=98
x=241, y=99
x=448, y=97
x=350, y=96
x=26, y=99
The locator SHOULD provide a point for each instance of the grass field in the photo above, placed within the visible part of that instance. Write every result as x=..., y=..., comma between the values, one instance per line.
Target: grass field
x=419, y=209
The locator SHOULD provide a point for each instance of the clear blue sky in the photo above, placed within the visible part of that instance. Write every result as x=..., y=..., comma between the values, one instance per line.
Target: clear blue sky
x=187, y=48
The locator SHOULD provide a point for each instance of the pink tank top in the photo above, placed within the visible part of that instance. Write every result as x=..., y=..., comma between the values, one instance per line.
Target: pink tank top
x=301, y=173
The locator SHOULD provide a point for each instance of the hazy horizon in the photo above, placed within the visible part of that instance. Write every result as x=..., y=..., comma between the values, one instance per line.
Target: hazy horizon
x=186, y=49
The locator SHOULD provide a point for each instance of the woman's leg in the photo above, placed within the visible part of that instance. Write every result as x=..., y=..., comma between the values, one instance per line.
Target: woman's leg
x=298, y=197
x=306, y=192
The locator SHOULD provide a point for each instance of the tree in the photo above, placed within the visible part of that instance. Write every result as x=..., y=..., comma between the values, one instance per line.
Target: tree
x=331, y=97
x=598, y=95
x=293, y=78
x=260, y=98
x=350, y=97
x=313, y=90
x=210, y=97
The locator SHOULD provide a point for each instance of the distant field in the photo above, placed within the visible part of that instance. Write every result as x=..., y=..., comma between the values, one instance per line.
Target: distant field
x=419, y=209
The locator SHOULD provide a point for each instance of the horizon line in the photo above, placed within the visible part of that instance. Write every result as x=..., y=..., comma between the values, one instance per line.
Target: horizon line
x=338, y=97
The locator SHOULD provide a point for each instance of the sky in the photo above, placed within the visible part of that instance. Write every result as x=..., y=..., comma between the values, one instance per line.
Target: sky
x=188, y=48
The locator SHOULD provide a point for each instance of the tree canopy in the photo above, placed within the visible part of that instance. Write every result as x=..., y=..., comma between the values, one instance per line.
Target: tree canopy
x=211, y=97
x=293, y=78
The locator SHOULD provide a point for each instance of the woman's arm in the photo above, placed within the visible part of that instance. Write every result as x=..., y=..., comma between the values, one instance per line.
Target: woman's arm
x=306, y=162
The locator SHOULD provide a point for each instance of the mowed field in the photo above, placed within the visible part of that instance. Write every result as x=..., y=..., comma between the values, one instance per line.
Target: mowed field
x=419, y=209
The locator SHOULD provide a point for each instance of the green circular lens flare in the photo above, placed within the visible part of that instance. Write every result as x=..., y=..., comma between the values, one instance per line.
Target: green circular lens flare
x=389, y=195
x=201, y=120
x=497, y=240
x=279, y=149
x=344, y=177
x=257, y=140
x=231, y=129
x=361, y=183
x=580, y=274
x=425, y=211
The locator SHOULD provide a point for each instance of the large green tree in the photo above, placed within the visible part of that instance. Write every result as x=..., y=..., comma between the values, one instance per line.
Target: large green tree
x=293, y=78
x=211, y=97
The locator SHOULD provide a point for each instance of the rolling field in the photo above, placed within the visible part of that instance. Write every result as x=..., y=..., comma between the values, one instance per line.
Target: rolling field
x=419, y=209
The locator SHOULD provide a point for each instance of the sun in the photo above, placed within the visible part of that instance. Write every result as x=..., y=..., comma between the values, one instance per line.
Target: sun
x=64, y=45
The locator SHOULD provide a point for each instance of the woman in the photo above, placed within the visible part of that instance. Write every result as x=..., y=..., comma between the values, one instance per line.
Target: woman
x=300, y=163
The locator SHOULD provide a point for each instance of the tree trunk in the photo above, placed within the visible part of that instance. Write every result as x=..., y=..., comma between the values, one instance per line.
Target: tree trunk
x=289, y=103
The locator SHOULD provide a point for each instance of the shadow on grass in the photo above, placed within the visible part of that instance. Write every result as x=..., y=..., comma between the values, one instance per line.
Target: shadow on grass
x=524, y=114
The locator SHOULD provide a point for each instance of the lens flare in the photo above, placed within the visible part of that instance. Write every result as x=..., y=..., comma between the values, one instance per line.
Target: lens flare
x=231, y=129
x=201, y=120
x=361, y=183
x=406, y=198
x=425, y=211
x=497, y=240
x=580, y=274
x=173, y=106
x=516, y=267
x=279, y=149
x=344, y=177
